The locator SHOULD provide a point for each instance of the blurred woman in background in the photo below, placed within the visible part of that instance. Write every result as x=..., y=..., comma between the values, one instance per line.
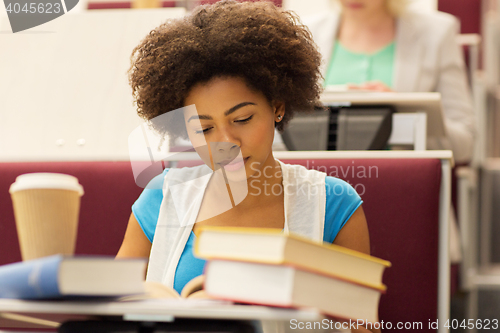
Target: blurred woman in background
x=381, y=45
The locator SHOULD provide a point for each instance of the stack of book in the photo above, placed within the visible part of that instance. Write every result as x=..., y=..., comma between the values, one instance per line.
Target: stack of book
x=265, y=266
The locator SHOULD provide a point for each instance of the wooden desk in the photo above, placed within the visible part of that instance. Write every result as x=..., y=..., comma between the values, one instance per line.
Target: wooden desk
x=273, y=319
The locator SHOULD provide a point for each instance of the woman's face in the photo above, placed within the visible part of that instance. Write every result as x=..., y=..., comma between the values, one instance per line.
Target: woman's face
x=230, y=118
x=363, y=6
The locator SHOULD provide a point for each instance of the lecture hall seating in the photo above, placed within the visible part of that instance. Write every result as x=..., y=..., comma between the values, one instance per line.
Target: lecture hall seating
x=401, y=203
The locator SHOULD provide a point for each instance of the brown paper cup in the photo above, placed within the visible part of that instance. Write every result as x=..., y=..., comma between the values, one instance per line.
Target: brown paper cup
x=46, y=209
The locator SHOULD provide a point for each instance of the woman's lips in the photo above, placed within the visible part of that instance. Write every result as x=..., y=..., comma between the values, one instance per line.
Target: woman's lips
x=354, y=5
x=235, y=165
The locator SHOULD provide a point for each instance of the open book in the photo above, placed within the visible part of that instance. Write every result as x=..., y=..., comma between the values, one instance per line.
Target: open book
x=155, y=290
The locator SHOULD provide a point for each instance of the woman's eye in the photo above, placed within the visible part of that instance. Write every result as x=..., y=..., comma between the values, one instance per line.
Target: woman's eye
x=205, y=130
x=244, y=120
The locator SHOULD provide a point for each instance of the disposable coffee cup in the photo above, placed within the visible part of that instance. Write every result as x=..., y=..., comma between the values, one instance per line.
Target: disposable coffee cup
x=46, y=209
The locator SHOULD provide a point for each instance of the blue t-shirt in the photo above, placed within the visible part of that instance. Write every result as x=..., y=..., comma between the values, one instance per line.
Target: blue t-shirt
x=341, y=202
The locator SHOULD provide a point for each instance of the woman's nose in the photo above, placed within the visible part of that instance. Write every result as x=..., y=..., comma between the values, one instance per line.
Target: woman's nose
x=225, y=139
x=225, y=146
x=224, y=152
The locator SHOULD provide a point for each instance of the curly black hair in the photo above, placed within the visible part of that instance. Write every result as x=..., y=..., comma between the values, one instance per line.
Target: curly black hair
x=263, y=44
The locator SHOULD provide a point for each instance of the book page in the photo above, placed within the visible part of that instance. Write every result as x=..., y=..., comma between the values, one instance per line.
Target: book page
x=157, y=290
x=195, y=286
x=153, y=290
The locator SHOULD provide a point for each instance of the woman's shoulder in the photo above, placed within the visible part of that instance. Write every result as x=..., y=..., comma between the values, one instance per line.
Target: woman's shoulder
x=431, y=16
x=432, y=23
x=337, y=187
x=157, y=182
x=342, y=201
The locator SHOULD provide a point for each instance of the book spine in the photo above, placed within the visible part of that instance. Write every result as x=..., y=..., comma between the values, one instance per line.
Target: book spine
x=32, y=279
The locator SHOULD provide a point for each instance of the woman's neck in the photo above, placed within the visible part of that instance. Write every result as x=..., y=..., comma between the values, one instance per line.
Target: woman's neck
x=366, y=33
x=262, y=188
x=267, y=185
x=367, y=20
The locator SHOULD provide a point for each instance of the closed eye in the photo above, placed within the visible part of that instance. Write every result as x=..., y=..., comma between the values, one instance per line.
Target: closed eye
x=205, y=130
x=244, y=120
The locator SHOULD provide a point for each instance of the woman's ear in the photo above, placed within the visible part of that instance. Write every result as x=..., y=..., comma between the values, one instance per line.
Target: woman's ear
x=279, y=110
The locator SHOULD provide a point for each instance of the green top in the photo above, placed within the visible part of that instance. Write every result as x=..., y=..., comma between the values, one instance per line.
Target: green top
x=351, y=67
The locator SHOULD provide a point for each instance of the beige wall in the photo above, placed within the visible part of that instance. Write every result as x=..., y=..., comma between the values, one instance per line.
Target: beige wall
x=64, y=92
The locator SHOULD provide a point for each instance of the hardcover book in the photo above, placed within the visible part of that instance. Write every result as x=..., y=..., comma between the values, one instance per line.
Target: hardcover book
x=272, y=246
x=65, y=276
x=289, y=286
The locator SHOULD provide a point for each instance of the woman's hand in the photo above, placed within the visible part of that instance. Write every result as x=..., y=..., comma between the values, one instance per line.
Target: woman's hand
x=371, y=85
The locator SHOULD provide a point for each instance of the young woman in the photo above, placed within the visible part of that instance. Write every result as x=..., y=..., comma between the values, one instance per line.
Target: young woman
x=237, y=71
x=381, y=45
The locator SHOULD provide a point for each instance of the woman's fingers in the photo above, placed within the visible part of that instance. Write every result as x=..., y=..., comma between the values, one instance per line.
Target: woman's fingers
x=371, y=85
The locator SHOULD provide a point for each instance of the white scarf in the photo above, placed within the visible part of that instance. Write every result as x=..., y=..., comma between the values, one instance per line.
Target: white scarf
x=304, y=201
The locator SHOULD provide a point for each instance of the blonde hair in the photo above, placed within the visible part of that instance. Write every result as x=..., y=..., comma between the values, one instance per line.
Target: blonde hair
x=396, y=7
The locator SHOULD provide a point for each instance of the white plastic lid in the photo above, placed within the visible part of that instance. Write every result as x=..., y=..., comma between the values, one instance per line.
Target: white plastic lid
x=46, y=180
